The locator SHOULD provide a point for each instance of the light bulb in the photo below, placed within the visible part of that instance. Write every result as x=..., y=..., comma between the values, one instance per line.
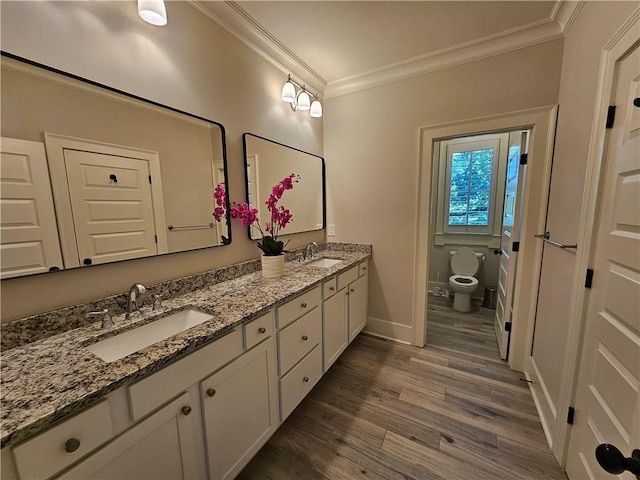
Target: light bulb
x=153, y=12
x=316, y=109
x=304, y=101
x=289, y=92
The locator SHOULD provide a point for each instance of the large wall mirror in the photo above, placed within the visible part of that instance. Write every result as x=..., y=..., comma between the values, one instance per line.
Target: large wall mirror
x=91, y=175
x=268, y=162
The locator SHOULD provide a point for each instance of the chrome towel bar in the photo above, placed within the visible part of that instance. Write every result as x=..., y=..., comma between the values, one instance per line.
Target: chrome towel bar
x=546, y=237
x=190, y=227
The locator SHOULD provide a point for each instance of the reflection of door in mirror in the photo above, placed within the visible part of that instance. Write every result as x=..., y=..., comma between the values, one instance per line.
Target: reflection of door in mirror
x=190, y=150
x=28, y=234
x=109, y=197
x=267, y=163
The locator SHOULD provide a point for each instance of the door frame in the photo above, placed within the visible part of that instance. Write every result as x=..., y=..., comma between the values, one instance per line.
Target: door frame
x=617, y=46
x=541, y=121
x=55, y=145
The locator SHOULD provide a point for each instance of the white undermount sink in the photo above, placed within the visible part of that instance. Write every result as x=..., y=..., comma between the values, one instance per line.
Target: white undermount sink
x=119, y=346
x=324, y=262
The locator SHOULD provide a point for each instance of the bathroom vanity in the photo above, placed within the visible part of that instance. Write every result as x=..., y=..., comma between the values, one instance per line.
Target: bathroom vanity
x=198, y=404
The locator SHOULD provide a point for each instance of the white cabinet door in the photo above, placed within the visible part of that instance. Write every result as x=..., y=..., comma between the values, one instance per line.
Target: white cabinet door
x=358, y=298
x=335, y=327
x=160, y=447
x=29, y=232
x=240, y=410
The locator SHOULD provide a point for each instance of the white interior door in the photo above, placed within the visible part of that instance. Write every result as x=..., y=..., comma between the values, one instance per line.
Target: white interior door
x=511, y=214
x=28, y=233
x=112, y=206
x=607, y=403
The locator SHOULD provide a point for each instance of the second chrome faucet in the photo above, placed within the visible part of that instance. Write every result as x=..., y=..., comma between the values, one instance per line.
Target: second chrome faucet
x=132, y=299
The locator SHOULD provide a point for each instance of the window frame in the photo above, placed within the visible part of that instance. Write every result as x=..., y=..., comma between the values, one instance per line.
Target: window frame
x=489, y=235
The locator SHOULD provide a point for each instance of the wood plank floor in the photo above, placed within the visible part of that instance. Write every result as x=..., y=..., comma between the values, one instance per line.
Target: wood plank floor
x=451, y=410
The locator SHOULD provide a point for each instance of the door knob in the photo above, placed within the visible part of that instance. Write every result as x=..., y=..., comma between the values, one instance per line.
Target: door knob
x=613, y=461
x=497, y=251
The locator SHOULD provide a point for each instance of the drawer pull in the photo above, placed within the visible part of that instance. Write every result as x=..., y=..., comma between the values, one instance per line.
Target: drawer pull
x=262, y=330
x=71, y=445
x=304, y=305
x=305, y=338
x=332, y=288
x=186, y=410
x=364, y=268
x=211, y=392
x=305, y=379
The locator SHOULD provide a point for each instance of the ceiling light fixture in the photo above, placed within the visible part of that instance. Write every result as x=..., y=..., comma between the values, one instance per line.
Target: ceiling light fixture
x=153, y=12
x=299, y=98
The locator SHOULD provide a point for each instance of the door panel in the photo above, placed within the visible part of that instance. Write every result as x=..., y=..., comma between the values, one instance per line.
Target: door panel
x=112, y=206
x=607, y=399
x=29, y=232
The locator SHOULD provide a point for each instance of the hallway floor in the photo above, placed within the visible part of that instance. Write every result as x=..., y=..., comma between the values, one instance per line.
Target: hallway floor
x=451, y=410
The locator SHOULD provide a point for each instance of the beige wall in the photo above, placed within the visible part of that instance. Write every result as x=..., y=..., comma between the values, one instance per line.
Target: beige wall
x=191, y=64
x=372, y=151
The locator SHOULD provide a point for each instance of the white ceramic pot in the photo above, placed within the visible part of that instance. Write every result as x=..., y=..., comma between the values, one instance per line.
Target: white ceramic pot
x=272, y=266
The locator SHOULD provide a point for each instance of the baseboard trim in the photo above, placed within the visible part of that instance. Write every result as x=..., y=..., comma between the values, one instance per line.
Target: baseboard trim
x=389, y=330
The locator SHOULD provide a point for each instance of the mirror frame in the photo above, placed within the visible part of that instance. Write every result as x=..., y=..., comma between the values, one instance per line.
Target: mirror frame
x=5, y=54
x=246, y=181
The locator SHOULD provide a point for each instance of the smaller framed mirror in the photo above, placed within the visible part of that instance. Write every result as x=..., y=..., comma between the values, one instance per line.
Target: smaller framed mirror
x=266, y=163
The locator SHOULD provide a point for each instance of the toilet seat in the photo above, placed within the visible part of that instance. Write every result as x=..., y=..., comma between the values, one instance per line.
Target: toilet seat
x=464, y=280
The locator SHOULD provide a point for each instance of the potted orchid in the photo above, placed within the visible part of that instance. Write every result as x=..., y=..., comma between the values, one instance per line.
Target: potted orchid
x=272, y=248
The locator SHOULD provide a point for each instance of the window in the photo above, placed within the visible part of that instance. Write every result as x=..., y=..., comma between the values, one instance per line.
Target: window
x=470, y=175
x=470, y=187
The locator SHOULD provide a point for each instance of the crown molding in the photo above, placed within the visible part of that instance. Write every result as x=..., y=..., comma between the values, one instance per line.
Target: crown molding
x=229, y=15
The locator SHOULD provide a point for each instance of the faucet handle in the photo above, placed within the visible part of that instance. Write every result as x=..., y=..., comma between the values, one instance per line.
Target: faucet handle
x=157, y=302
x=107, y=320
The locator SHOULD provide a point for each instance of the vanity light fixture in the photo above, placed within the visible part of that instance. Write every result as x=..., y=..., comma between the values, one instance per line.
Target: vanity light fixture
x=299, y=98
x=153, y=12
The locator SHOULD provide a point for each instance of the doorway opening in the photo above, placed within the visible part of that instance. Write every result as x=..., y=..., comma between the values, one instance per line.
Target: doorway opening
x=477, y=186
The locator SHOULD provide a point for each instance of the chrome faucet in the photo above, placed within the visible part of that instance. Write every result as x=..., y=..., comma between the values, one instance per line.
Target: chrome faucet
x=132, y=299
x=308, y=251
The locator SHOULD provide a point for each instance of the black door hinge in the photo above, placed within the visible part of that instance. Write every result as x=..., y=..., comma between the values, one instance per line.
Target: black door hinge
x=524, y=158
x=515, y=247
x=588, y=281
x=611, y=115
x=507, y=327
x=149, y=178
x=156, y=238
x=570, y=415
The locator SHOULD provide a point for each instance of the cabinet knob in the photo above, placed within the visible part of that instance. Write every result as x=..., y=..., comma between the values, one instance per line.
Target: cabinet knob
x=305, y=379
x=262, y=330
x=332, y=288
x=303, y=305
x=211, y=392
x=305, y=338
x=352, y=290
x=364, y=268
x=71, y=445
x=186, y=410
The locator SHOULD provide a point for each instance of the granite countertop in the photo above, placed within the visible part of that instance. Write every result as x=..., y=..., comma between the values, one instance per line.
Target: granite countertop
x=47, y=380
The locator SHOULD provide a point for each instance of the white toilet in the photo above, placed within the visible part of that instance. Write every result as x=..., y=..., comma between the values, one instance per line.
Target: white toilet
x=465, y=265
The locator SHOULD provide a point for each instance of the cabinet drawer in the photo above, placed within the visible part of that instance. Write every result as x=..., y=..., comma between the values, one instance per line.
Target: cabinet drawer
x=295, y=341
x=258, y=330
x=157, y=389
x=329, y=288
x=347, y=277
x=297, y=307
x=362, y=268
x=64, y=444
x=296, y=384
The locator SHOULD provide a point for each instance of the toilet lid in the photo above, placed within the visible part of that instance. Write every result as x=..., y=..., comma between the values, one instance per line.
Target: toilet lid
x=465, y=262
